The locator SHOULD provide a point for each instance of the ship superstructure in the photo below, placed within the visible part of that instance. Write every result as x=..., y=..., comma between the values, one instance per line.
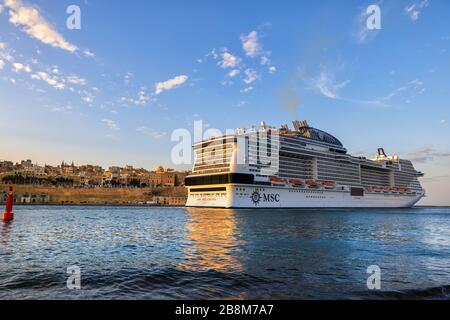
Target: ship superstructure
x=303, y=167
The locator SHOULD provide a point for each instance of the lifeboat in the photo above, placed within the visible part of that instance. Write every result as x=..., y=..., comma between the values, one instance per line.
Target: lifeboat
x=328, y=184
x=277, y=180
x=297, y=182
x=311, y=183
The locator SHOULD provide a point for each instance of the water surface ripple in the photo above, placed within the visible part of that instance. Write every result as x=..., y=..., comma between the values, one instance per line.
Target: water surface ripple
x=178, y=253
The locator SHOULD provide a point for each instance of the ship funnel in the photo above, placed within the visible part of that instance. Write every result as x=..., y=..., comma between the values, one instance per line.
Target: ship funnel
x=300, y=124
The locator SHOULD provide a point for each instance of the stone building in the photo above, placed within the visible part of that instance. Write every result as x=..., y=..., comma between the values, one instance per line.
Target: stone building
x=177, y=201
x=162, y=200
x=151, y=179
x=6, y=166
x=27, y=198
x=168, y=179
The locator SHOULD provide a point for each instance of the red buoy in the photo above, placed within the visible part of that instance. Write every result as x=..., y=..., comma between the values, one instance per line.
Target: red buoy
x=8, y=215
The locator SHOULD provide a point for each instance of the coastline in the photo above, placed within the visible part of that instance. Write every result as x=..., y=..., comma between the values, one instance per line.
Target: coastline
x=98, y=196
x=125, y=205
x=131, y=205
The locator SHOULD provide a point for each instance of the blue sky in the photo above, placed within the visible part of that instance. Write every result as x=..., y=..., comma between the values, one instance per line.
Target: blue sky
x=112, y=92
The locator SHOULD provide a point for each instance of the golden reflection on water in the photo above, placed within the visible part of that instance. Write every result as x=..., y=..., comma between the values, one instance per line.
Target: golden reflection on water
x=212, y=234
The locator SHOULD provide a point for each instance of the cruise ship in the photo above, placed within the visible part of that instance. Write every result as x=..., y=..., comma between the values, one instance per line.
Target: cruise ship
x=299, y=167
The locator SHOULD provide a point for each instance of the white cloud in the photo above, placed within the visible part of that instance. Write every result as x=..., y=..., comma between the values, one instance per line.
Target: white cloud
x=1, y=8
x=126, y=100
x=241, y=103
x=213, y=54
x=35, y=25
x=326, y=85
x=142, y=98
x=62, y=109
x=226, y=82
x=88, y=53
x=250, y=44
x=74, y=79
x=88, y=97
x=265, y=61
x=443, y=121
x=250, y=76
x=111, y=124
x=170, y=84
x=229, y=60
x=2, y=64
x=415, y=8
x=53, y=81
x=6, y=53
x=151, y=132
x=19, y=67
x=248, y=89
x=413, y=87
x=127, y=78
x=416, y=83
x=234, y=73
x=425, y=154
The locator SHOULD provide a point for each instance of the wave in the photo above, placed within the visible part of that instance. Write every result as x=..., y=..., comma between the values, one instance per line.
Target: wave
x=432, y=293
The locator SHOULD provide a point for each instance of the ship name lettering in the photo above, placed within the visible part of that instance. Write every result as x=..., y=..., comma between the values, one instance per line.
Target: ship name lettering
x=271, y=197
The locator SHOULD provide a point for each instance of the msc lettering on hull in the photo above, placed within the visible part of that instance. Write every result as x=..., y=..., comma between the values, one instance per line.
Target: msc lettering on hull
x=271, y=197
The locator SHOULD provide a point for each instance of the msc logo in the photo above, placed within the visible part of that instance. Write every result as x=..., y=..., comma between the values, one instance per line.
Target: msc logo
x=256, y=197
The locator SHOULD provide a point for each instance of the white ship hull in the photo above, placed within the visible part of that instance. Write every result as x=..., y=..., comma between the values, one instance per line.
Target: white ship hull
x=245, y=196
